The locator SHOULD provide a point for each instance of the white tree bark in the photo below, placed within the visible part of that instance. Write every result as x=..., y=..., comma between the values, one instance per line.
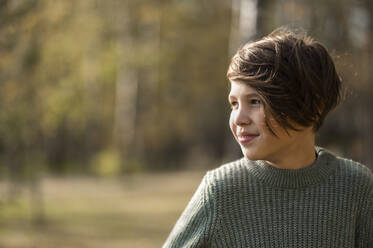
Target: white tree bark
x=126, y=86
x=243, y=24
x=125, y=108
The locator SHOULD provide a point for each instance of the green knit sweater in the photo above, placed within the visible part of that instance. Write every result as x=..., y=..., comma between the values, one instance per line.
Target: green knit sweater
x=252, y=204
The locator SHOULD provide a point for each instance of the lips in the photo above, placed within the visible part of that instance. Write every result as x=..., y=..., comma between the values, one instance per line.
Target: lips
x=246, y=138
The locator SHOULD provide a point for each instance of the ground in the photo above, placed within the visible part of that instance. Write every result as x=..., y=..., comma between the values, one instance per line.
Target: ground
x=133, y=211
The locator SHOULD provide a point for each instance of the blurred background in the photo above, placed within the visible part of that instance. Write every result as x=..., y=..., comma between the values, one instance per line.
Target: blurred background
x=112, y=111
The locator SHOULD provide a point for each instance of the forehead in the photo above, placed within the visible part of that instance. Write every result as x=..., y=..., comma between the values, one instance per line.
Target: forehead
x=239, y=88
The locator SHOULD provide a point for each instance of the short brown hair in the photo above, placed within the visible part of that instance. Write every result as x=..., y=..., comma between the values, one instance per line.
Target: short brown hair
x=293, y=73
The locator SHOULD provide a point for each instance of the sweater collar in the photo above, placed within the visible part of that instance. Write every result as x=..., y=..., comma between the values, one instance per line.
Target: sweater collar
x=297, y=178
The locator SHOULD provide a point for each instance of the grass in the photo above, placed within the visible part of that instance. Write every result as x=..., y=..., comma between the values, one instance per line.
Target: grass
x=136, y=211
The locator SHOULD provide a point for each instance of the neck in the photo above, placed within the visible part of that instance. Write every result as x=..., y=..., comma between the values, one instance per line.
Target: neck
x=298, y=155
x=288, y=178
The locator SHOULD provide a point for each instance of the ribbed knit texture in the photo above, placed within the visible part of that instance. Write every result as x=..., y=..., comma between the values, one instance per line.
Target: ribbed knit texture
x=252, y=204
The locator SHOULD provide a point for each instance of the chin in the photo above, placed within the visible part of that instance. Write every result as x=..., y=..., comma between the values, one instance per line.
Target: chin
x=250, y=154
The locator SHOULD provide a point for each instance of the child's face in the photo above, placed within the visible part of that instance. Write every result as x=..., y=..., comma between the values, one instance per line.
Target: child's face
x=248, y=125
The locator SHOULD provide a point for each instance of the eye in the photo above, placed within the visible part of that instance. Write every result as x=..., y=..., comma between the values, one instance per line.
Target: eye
x=255, y=101
x=234, y=104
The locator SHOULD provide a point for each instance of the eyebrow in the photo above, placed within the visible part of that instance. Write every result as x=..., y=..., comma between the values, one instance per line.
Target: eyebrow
x=246, y=95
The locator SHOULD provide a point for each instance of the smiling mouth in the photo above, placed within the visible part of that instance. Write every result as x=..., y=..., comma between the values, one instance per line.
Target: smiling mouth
x=243, y=139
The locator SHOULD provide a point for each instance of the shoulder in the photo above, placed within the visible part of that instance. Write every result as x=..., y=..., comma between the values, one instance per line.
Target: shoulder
x=228, y=175
x=227, y=170
x=354, y=169
x=352, y=172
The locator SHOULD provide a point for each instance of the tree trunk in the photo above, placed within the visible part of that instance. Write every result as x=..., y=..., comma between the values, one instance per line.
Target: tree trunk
x=127, y=84
x=243, y=24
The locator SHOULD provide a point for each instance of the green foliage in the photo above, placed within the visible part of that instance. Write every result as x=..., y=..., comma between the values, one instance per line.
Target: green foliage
x=107, y=163
x=80, y=79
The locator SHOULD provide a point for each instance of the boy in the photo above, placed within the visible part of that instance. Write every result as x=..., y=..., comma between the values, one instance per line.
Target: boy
x=285, y=191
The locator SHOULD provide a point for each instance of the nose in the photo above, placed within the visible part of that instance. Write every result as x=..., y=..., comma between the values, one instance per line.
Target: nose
x=241, y=117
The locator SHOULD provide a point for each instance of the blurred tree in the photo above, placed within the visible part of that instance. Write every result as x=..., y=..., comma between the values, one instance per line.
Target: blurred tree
x=19, y=130
x=141, y=84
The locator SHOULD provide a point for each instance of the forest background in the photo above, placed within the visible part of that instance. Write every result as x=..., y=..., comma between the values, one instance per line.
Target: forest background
x=103, y=103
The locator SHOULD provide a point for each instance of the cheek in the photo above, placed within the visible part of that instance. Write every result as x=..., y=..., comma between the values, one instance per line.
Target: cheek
x=231, y=122
x=276, y=127
x=259, y=120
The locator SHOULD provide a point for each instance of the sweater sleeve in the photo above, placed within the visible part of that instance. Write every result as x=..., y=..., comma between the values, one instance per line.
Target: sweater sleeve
x=194, y=227
x=364, y=237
